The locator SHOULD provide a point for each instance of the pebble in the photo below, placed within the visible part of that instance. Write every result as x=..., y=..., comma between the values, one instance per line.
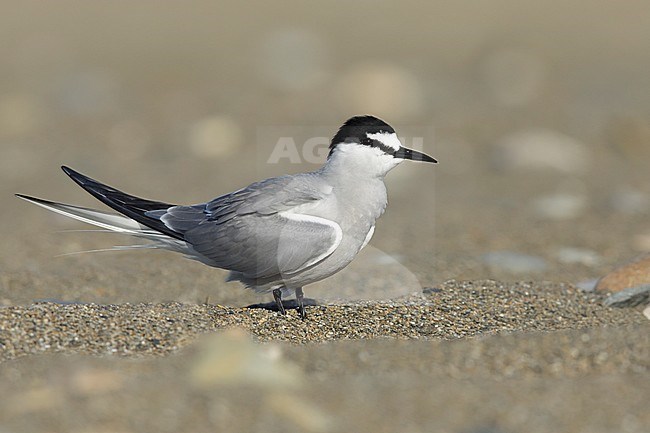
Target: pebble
x=560, y=206
x=633, y=274
x=542, y=150
x=630, y=297
x=582, y=256
x=587, y=285
x=513, y=262
x=646, y=312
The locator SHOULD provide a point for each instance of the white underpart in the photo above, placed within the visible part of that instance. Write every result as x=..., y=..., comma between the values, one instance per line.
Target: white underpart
x=338, y=234
x=368, y=237
x=387, y=139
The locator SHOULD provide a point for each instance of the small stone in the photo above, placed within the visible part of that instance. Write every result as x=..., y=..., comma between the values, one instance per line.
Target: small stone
x=646, y=312
x=561, y=206
x=582, y=256
x=632, y=274
x=514, y=262
x=588, y=285
x=630, y=297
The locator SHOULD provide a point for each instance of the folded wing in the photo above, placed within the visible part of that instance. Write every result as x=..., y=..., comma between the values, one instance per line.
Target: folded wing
x=259, y=230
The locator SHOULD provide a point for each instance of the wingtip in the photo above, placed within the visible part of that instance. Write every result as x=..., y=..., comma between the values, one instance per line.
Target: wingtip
x=27, y=197
x=30, y=199
x=75, y=175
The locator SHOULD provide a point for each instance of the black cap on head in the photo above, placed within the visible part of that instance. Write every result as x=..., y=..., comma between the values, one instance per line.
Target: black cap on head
x=356, y=130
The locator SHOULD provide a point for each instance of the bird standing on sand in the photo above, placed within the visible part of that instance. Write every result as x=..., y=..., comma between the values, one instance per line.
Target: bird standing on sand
x=277, y=235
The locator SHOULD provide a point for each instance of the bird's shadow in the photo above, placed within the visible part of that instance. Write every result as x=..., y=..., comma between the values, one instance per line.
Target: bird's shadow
x=288, y=304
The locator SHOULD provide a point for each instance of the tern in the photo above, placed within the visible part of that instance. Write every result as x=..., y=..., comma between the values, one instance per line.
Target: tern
x=277, y=235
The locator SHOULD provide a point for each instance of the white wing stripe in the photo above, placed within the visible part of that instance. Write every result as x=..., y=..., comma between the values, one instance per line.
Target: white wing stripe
x=368, y=237
x=338, y=234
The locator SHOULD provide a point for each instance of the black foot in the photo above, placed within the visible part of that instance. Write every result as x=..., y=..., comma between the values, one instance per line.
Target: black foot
x=300, y=300
x=277, y=297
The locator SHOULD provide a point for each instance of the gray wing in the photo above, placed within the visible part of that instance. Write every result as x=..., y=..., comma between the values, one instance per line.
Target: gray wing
x=256, y=230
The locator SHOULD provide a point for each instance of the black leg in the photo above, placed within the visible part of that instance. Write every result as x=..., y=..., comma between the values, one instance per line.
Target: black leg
x=300, y=298
x=277, y=296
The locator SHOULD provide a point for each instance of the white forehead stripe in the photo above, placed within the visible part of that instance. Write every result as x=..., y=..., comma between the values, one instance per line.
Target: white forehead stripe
x=387, y=139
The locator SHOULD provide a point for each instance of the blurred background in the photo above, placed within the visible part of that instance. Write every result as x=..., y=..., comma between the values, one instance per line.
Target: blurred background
x=539, y=113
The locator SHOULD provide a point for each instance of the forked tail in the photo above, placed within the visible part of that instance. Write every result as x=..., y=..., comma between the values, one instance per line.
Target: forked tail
x=106, y=220
x=135, y=208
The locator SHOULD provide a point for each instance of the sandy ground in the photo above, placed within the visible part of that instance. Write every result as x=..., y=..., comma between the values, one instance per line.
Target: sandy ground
x=463, y=314
x=471, y=356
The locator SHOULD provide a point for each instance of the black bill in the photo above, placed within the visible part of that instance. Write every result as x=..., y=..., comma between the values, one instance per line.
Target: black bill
x=413, y=155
